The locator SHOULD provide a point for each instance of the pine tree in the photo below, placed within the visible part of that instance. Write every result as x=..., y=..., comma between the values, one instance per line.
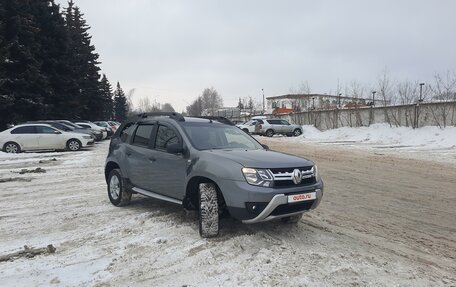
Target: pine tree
x=22, y=85
x=106, y=93
x=84, y=61
x=120, y=104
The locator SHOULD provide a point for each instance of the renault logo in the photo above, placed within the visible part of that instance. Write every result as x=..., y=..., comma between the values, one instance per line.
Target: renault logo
x=297, y=176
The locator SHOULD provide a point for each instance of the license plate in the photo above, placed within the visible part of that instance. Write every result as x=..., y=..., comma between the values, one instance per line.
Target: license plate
x=302, y=197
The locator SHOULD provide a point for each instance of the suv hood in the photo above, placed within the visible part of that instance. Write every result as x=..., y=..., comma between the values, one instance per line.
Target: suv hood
x=261, y=158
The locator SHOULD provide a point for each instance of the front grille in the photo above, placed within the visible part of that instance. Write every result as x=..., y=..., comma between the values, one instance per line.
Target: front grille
x=291, y=208
x=283, y=177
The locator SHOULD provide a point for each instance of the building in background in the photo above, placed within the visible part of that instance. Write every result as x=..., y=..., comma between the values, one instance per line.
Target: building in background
x=306, y=102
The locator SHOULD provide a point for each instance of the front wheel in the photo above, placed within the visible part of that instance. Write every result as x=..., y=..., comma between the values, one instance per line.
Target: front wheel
x=117, y=192
x=74, y=145
x=297, y=132
x=208, y=210
x=269, y=133
x=11, y=147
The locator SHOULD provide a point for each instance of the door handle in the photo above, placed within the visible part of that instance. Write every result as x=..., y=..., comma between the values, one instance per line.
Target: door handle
x=152, y=159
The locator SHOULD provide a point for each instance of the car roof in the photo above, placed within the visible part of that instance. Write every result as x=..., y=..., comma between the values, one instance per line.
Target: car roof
x=37, y=124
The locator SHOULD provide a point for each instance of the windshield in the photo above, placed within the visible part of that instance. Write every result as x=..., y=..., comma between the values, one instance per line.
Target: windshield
x=216, y=136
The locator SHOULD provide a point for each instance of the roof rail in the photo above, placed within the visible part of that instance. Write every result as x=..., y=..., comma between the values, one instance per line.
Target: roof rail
x=172, y=115
x=219, y=119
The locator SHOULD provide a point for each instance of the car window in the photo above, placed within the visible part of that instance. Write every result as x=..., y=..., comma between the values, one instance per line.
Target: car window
x=85, y=126
x=284, y=122
x=165, y=137
x=142, y=135
x=126, y=132
x=44, y=130
x=24, y=130
x=259, y=122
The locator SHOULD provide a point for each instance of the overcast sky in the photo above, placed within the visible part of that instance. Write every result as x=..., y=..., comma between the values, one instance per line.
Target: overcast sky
x=171, y=51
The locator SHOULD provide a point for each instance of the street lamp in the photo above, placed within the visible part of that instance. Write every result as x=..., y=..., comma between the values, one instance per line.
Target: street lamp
x=263, y=100
x=421, y=92
x=373, y=98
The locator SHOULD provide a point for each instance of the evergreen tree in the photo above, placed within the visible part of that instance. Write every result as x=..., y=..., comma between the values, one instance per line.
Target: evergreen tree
x=84, y=60
x=120, y=104
x=23, y=87
x=106, y=93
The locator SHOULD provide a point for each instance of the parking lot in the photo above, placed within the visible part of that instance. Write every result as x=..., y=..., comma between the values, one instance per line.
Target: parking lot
x=384, y=220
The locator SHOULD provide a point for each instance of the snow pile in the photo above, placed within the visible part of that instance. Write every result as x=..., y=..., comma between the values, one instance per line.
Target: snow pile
x=383, y=134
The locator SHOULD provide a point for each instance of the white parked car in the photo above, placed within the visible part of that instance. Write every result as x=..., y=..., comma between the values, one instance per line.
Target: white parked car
x=29, y=137
x=90, y=125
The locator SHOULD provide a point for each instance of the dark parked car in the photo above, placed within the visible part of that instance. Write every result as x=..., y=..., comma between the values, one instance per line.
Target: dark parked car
x=211, y=167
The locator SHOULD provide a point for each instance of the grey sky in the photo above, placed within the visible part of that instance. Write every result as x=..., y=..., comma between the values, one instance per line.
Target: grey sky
x=172, y=50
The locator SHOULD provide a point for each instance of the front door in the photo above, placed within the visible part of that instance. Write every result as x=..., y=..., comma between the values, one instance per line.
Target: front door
x=169, y=176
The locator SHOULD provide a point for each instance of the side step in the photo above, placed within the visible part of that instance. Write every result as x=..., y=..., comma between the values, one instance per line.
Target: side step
x=156, y=195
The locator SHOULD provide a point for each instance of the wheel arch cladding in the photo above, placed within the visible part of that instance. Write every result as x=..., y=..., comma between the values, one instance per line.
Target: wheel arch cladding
x=109, y=167
x=191, y=193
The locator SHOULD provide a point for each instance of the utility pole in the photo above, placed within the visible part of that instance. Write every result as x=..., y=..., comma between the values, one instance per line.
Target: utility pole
x=373, y=98
x=263, y=100
x=417, y=107
x=371, y=121
x=340, y=94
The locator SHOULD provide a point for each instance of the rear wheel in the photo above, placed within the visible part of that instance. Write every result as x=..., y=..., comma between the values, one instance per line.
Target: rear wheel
x=297, y=132
x=74, y=145
x=269, y=133
x=208, y=210
x=11, y=147
x=292, y=219
x=117, y=192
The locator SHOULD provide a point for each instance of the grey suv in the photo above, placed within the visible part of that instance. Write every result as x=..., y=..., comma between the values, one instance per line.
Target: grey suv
x=269, y=127
x=211, y=167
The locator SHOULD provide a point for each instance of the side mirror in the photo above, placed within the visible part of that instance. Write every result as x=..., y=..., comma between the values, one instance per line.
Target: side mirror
x=174, y=148
x=265, y=146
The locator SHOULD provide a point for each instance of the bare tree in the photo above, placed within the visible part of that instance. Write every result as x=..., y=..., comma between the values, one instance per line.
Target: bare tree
x=167, y=107
x=211, y=100
x=443, y=90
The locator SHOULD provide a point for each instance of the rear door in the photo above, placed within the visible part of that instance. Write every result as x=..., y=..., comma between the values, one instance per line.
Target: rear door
x=26, y=137
x=139, y=156
x=286, y=127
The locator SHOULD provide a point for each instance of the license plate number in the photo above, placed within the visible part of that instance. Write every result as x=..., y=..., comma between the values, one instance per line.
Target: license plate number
x=302, y=197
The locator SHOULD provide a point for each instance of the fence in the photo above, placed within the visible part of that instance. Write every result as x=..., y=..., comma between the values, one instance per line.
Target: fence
x=439, y=114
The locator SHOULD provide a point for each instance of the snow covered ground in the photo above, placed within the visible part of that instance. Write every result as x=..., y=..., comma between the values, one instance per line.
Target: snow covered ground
x=383, y=221
x=430, y=143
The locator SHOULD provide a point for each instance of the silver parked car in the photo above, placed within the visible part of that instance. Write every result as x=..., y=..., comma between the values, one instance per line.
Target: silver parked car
x=269, y=127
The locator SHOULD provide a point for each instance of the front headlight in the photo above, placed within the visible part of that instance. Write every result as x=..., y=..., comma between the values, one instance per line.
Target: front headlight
x=258, y=177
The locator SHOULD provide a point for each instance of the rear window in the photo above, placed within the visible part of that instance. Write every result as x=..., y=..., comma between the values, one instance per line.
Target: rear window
x=24, y=130
x=142, y=135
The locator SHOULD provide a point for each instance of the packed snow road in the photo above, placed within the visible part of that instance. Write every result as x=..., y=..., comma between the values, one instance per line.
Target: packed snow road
x=383, y=221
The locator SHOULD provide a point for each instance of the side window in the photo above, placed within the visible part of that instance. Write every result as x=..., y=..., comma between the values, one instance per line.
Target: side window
x=142, y=135
x=284, y=122
x=85, y=126
x=24, y=130
x=126, y=132
x=259, y=122
x=44, y=130
x=165, y=137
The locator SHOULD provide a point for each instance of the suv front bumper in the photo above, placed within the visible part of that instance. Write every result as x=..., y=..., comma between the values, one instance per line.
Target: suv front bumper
x=270, y=203
x=278, y=200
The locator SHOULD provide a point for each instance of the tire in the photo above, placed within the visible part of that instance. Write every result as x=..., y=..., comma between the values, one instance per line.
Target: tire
x=208, y=210
x=292, y=219
x=73, y=145
x=269, y=133
x=117, y=192
x=11, y=147
x=246, y=131
x=297, y=132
